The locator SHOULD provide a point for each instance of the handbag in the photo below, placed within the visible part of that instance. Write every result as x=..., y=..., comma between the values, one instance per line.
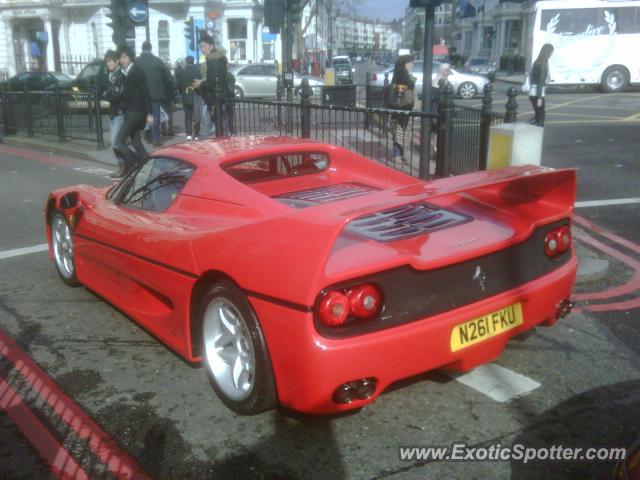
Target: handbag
x=399, y=97
x=526, y=86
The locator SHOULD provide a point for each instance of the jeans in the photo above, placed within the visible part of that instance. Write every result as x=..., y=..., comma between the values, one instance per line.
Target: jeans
x=131, y=126
x=188, y=119
x=155, y=128
x=116, y=124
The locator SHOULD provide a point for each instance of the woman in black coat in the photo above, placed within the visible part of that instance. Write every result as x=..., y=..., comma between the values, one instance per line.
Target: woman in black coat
x=538, y=78
x=402, y=80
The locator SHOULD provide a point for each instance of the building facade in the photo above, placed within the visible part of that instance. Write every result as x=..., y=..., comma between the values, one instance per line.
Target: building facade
x=41, y=34
x=414, y=20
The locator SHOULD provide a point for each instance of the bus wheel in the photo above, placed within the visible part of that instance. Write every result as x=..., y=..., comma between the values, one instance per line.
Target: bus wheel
x=615, y=79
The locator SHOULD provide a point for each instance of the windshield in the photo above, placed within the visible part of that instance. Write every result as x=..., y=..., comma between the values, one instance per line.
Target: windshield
x=478, y=61
x=61, y=77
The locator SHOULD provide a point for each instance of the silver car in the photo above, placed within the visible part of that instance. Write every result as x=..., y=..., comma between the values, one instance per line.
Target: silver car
x=465, y=85
x=260, y=80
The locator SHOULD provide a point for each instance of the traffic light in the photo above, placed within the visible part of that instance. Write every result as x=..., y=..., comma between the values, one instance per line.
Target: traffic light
x=295, y=10
x=424, y=3
x=274, y=14
x=190, y=33
x=119, y=21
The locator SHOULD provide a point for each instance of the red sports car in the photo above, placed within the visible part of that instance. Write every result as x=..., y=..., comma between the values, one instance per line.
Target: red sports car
x=305, y=275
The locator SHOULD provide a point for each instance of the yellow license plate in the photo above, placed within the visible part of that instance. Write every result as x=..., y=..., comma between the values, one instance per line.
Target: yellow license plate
x=489, y=325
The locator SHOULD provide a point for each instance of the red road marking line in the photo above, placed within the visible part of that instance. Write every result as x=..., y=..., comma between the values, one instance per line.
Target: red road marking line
x=606, y=233
x=104, y=447
x=40, y=157
x=629, y=287
x=60, y=462
x=605, y=307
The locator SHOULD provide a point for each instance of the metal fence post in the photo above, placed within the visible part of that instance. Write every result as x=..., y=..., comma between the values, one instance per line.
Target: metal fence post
x=511, y=115
x=279, y=98
x=445, y=125
x=218, y=115
x=98, y=116
x=305, y=108
x=29, y=112
x=57, y=104
x=485, y=125
x=367, y=101
x=5, y=116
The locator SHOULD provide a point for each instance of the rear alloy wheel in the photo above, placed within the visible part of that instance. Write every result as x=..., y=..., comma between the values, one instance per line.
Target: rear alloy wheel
x=467, y=90
x=235, y=352
x=615, y=79
x=62, y=244
x=238, y=92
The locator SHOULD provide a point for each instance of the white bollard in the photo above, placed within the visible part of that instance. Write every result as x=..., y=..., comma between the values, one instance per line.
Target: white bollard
x=514, y=144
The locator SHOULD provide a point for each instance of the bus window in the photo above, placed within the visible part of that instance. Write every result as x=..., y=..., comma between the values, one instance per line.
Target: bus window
x=628, y=19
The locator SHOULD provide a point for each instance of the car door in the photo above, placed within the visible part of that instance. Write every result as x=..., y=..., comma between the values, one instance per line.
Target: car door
x=132, y=246
x=270, y=80
x=252, y=80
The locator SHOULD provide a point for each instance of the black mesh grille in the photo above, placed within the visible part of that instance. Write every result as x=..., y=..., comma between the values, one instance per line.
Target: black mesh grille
x=320, y=195
x=405, y=221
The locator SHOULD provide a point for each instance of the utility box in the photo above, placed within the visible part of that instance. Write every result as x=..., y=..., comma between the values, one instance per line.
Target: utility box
x=514, y=144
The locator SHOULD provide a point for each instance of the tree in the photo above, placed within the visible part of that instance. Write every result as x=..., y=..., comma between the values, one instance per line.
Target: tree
x=418, y=37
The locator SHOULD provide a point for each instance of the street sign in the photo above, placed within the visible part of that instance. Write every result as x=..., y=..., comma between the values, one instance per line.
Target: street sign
x=138, y=12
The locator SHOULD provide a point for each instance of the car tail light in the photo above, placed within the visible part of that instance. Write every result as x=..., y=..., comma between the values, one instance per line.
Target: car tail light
x=334, y=308
x=557, y=241
x=364, y=301
x=361, y=301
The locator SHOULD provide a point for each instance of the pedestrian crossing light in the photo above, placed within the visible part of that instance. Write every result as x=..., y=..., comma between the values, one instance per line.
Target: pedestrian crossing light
x=190, y=33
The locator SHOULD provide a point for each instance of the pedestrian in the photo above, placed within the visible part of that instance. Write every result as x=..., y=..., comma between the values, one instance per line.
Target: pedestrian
x=136, y=107
x=185, y=77
x=159, y=80
x=213, y=87
x=400, y=96
x=113, y=94
x=538, y=79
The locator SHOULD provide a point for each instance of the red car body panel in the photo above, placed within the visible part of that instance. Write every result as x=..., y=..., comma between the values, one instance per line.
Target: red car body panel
x=148, y=264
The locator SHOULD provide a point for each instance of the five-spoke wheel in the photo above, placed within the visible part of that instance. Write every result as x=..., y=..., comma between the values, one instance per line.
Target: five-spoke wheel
x=235, y=352
x=62, y=243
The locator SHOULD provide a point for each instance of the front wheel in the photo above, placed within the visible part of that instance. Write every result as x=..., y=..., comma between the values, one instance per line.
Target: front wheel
x=238, y=92
x=615, y=79
x=467, y=90
x=63, y=254
x=235, y=351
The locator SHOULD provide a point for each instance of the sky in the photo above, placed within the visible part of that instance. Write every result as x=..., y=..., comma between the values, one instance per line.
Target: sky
x=384, y=9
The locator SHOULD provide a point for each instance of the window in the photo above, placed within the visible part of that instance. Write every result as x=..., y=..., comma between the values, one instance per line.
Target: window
x=582, y=21
x=164, y=48
x=277, y=166
x=253, y=71
x=237, y=29
x=155, y=185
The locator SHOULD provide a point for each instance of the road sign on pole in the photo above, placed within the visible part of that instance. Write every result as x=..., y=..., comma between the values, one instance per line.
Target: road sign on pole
x=138, y=12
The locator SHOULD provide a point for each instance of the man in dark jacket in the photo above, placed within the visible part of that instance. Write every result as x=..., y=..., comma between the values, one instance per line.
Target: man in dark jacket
x=136, y=106
x=214, y=88
x=185, y=78
x=159, y=81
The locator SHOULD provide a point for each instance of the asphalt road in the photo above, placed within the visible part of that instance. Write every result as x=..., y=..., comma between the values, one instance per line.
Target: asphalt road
x=166, y=420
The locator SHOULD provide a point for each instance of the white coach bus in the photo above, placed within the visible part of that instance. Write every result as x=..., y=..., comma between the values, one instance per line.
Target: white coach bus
x=596, y=42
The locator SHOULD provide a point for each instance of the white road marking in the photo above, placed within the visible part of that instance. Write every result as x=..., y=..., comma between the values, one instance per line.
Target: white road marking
x=496, y=382
x=99, y=171
x=604, y=203
x=23, y=251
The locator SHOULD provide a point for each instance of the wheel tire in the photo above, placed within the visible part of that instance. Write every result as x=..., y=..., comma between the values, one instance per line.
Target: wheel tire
x=63, y=254
x=467, y=90
x=239, y=93
x=235, y=352
x=615, y=79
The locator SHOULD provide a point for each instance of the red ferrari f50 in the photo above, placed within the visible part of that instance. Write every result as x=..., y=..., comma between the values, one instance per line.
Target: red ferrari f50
x=305, y=275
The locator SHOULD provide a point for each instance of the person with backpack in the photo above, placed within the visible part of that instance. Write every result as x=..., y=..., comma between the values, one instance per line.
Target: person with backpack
x=213, y=87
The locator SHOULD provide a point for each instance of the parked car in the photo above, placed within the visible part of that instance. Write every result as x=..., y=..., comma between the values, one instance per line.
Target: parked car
x=480, y=66
x=343, y=69
x=93, y=75
x=259, y=80
x=39, y=81
x=465, y=85
x=302, y=274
